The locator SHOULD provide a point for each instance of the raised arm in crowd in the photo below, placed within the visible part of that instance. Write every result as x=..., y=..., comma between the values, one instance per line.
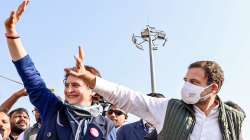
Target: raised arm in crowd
x=78, y=118
x=173, y=119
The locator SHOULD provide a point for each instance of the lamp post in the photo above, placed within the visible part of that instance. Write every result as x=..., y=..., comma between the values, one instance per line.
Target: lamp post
x=150, y=35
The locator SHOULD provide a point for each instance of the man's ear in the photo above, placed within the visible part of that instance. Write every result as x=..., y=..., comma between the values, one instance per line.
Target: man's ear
x=214, y=88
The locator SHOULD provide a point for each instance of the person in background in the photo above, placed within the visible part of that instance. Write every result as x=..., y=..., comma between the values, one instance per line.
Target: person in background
x=139, y=129
x=117, y=115
x=32, y=132
x=19, y=121
x=19, y=117
x=4, y=126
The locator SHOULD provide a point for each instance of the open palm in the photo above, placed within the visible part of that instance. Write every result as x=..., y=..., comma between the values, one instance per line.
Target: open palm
x=10, y=23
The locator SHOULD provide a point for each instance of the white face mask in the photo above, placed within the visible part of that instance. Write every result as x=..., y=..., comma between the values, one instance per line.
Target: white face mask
x=191, y=94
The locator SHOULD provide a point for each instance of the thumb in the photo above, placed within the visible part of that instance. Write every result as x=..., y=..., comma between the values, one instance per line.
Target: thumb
x=69, y=71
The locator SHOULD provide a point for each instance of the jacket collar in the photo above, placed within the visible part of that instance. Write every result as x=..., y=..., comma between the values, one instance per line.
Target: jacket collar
x=61, y=118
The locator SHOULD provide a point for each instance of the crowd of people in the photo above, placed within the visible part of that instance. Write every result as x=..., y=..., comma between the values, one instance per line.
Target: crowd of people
x=95, y=109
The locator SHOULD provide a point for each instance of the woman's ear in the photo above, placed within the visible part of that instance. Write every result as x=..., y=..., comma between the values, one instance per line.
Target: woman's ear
x=93, y=93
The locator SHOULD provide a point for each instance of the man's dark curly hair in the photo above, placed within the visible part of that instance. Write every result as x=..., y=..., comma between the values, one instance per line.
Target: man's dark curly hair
x=212, y=70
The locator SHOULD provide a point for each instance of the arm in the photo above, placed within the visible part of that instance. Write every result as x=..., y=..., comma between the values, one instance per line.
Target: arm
x=40, y=96
x=151, y=109
x=6, y=105
x=15, y=46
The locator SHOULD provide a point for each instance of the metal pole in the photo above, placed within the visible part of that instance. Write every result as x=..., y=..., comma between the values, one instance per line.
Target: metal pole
x=151, y=62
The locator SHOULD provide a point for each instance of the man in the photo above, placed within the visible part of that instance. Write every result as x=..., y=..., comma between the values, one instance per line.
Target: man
x=32, y=132
x=139, y=129
x=76, y=119
x=199, y=115
x=118, y=116
x=4, y=126
x=17, y=116
x=19, y=121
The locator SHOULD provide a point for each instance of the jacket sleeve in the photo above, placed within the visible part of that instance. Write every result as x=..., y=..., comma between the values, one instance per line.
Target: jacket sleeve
x=40, y=96
x=151, y=109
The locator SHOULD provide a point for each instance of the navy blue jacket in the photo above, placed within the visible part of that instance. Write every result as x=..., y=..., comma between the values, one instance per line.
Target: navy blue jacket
x=55, y=125
x=132, y=131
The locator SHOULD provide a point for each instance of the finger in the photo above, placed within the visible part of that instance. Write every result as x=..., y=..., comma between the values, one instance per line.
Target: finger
x=78, y=62
x=12, y=14
x=21, y=8
x=81, y=53
x=70, y=72
x=12, y=17
x=81, y=58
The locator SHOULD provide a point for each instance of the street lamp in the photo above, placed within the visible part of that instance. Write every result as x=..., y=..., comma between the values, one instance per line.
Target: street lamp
x=152, y=36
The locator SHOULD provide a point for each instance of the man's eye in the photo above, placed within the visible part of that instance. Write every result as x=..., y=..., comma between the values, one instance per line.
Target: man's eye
x=196, y=83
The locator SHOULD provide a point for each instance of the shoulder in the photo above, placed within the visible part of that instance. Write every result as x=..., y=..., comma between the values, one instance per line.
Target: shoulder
x=130, y=126
x=234, y=111
x=176, y=102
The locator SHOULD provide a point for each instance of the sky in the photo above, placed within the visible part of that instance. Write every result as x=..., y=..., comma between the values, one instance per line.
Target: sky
x=51, y=32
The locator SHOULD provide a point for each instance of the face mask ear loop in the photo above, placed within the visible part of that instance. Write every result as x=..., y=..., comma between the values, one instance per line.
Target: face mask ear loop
x=206, y=96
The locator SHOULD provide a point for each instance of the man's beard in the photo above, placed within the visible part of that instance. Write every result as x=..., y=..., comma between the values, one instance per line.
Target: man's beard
x=17, y=130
